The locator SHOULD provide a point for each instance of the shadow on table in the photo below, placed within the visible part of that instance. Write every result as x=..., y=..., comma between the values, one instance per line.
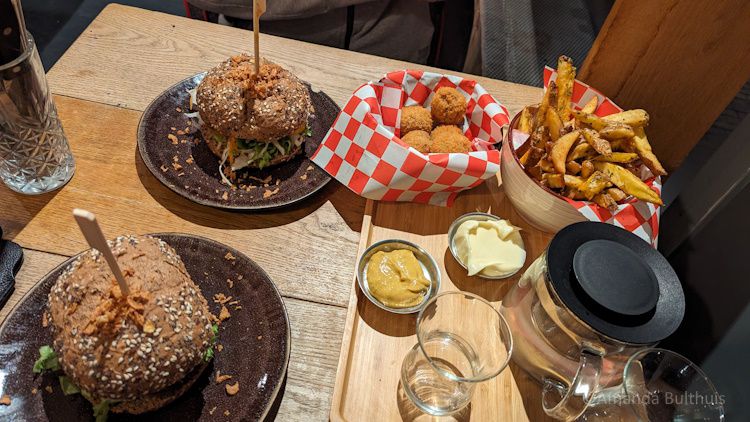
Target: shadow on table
x=411, y=413
x=349, y=206
x=19, y=209
x=531, y=394
x=387, y=323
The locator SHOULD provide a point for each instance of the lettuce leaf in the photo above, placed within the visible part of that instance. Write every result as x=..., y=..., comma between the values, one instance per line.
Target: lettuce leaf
x=47, y=360
x=68, y=387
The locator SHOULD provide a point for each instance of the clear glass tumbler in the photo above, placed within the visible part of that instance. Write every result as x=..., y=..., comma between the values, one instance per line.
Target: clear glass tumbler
x=34, y=154
x=462, y=340
x=658, y=385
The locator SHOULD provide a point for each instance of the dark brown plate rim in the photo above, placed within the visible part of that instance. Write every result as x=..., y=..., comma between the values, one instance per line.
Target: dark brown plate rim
x=141, y=138
x=212, y=242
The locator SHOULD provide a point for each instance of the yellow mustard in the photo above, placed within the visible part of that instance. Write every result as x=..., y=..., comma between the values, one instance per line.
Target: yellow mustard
x=396, y=279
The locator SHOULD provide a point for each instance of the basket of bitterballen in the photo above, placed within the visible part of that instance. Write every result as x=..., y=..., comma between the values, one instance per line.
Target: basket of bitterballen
x=415, y=136
x=577, y=156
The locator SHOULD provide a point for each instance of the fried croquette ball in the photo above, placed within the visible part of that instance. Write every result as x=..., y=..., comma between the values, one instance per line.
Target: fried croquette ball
x=415, y=118
x=448, y=106
x=448, y=138
x=419, y=140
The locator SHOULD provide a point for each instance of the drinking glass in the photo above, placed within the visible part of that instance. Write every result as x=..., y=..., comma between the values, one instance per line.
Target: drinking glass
x=461, y=340
x=658, y=385
x=34, y=154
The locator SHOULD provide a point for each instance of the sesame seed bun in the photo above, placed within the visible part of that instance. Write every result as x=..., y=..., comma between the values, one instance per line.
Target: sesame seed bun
x=265, y=107
x=130, y=348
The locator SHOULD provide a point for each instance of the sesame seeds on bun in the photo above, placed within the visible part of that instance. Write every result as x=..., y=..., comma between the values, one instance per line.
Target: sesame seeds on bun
x=138, y=350
x=234, y=101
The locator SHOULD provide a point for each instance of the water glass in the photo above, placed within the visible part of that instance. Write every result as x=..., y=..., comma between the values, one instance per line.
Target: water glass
x=34, y=154
x=658, y=385
x=461, y=340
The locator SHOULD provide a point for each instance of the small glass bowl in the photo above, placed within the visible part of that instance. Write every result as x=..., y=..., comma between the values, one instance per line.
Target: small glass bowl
x=478, y=216
x=428, y=264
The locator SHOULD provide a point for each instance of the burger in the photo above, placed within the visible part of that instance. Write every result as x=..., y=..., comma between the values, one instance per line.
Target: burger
x=129, y=353
x=253, y=120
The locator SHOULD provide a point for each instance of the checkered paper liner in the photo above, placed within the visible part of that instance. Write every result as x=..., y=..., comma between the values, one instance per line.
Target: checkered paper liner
x=363, y=150
x=639, y=217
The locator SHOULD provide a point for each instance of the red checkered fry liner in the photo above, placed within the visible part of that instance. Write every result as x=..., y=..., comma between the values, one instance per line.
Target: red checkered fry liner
x=363, y=150
x=639, y=217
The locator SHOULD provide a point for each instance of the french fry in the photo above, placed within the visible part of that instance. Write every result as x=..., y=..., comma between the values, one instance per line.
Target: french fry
x=587, y=167
x=524, y=122
x=559, y=154
x=628, y=182
x=617, y=194
x=566, y=74
x=546, y=166
x=554, y=124
x=618, y=157
x=594, y=184
x=590, y=119
x=572, y=167
x=591, y=105
x=622, y=145
x=573, y=193
x=554, y=180
x=550, y=97
x=582, y=150
x=599, y=144
x=617, y=131
x=636, y=117
x=643, y=148
x=606, y=201
x=531, y=157
x=572, y=181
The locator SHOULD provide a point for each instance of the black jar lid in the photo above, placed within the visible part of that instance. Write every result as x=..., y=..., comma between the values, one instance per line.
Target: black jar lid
x=615, y=282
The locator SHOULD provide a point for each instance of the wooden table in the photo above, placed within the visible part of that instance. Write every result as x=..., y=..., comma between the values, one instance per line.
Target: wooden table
x=124, y=59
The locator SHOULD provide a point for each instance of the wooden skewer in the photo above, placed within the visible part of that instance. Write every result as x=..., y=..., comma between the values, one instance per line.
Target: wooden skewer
x=95, y=238
x=259, y=7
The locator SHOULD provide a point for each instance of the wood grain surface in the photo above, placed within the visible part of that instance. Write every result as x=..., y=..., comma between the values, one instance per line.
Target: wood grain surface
x=376, y=341
x=682, y=61
x=103, y=83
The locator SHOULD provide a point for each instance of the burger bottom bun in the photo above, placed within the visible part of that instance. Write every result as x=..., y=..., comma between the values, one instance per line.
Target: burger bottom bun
x=161, y=398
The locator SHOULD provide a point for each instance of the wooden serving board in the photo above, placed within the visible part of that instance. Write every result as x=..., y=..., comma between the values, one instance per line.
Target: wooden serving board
x=375, y=341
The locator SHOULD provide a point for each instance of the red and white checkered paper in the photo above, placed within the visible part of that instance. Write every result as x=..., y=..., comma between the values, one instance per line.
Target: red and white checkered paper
x=639, y=217
x=363, y=150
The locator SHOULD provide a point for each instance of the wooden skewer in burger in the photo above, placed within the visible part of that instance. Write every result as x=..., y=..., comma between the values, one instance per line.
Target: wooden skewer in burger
x=254, y=113
x=132, y=331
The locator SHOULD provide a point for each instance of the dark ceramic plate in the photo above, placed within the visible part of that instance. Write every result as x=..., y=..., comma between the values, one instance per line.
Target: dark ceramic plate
x=255, y=339
x=200, y=181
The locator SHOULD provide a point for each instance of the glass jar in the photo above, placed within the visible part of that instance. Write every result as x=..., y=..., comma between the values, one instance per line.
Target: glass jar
x=596, y=296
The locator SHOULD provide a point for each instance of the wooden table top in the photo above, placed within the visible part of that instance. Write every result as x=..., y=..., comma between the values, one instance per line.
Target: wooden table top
x=123, y=60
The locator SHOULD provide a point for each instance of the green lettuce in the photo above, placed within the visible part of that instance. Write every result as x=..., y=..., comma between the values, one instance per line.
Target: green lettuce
x=47, y=360
x=67, y=386
x=209, y=353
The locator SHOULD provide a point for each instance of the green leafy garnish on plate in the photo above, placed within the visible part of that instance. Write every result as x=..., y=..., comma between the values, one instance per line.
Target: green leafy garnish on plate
x=47, y=360
x=67, y=386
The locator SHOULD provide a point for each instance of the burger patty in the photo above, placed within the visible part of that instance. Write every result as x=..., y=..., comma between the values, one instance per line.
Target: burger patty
x=265, y=107
x=122, y=348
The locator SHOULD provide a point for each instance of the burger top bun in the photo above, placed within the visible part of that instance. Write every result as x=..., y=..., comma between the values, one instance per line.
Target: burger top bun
x=121, y=348
x=233, y=101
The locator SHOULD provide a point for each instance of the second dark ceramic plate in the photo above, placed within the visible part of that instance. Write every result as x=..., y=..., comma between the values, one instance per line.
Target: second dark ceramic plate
x=185, y=164
x=255, y=345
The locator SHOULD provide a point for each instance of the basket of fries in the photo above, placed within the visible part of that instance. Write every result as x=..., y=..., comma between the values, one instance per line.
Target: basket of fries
x=577, y=156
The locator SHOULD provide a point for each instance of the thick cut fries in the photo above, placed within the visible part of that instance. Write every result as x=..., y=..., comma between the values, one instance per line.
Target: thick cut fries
x=605, y=200
x=572, y=167
x=524, y=123
x=617, y=194
x=566, y=74
x=637, y=117
x=590, y=106
x=550, y=97
x=582, y=150
x=559, y=154
x=594, y=184
x=554, y=124
x=644, y=151
x=628, y=182
x=599, y=144
x=617, y=131
x=618, y=157
x=590, y=119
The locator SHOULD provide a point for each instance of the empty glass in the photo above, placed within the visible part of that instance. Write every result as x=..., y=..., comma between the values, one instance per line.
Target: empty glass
x=462, y=340
x=658, y=385
x=34, y=155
